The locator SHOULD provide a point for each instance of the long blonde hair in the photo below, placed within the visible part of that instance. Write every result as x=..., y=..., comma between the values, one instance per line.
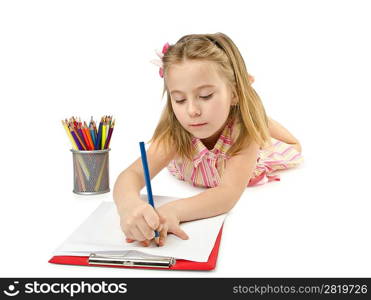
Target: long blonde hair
x=249, y=111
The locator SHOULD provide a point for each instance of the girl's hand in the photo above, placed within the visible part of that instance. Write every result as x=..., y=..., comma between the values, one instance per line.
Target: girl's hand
x=169, y=223
x=138, y=221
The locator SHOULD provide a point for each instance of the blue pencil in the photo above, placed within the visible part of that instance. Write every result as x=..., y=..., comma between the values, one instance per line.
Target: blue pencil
x=147, y=179
x=92, y=133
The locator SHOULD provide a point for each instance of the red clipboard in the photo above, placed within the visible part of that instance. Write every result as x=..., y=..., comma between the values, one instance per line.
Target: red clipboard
x=179, y=265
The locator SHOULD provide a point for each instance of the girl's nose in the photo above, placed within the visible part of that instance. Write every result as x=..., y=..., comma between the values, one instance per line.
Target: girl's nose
x=194, y=110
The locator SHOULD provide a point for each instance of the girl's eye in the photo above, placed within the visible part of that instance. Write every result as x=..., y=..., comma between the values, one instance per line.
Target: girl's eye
x=207, y=97
x=202, y=97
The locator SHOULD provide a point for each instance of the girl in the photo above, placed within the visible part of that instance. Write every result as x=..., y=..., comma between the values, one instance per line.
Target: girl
x=213, y=133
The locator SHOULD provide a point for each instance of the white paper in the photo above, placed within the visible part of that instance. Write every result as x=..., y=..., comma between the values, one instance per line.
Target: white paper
x=101, y=233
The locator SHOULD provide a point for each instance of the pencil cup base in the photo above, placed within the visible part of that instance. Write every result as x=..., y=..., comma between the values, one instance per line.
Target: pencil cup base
x=91, y=193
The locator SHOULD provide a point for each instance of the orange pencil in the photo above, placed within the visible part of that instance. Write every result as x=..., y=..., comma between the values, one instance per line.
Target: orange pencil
x=87, y=132
x=84, y=136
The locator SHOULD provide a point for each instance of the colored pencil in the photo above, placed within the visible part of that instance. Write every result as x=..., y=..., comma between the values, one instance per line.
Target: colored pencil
x=79, y=138
x=95, y=130
x=74, y=146
x=92, y=134
x=87, y=133
x=84, y=137
x=104, y=135
x=88, y=138
x=76, y=139
x=147, y=178
x=106, y=146
x=99, y=138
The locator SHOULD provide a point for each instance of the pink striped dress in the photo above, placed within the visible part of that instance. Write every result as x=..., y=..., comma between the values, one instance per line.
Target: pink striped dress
x=207, y=166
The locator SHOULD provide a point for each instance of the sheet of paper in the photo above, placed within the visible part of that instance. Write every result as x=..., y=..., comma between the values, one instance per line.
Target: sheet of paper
x=101, y=233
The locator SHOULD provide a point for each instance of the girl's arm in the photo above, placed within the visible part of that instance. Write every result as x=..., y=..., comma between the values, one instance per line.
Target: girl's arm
x=221, y=199
x=279, y=132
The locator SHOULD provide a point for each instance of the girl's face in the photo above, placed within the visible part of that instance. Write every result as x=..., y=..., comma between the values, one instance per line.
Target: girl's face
x=200, y=97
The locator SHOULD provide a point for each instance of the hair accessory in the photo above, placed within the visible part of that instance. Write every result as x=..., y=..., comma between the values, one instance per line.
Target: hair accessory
x=158, y=62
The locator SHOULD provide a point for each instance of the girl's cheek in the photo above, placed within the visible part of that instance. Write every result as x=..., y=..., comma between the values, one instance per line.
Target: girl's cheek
x=179, y=116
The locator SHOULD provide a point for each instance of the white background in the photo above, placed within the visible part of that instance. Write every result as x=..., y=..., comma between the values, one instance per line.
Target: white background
x=311, y=62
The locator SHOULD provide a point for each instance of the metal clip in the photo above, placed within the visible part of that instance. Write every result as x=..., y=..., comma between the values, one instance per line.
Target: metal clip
x=119, y=260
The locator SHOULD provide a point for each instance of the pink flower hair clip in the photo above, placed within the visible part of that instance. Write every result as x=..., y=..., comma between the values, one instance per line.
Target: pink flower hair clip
x=158, y=62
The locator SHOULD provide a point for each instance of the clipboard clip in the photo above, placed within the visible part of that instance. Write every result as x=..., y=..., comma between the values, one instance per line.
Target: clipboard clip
x=119, y=260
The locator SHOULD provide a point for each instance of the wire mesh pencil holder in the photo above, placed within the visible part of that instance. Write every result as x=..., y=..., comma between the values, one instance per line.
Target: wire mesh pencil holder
x=90, y=172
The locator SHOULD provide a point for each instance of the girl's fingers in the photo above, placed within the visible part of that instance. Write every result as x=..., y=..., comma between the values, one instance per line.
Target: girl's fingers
x=145, y=243
x=129, y=236
x=137, y=234
x=180, y=233
x=151, y=218
x=162, y=222
x=160, y=228
x=145, y=229
x=163, y=235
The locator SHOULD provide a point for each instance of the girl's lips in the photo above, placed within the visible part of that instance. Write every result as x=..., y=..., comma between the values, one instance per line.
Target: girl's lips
x=198, y=125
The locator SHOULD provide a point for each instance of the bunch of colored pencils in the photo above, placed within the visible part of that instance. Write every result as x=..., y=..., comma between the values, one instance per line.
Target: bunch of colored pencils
x=89, y=138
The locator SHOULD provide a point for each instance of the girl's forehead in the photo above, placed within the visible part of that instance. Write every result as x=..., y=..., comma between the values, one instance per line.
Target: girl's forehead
x=192, y=73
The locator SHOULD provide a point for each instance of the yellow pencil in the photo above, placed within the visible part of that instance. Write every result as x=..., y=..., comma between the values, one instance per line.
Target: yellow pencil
x=74, y=146
x=108, y=121
x=103, y=133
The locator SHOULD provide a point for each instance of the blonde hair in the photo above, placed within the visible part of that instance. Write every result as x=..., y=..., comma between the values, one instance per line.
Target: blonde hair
x=249, y=111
